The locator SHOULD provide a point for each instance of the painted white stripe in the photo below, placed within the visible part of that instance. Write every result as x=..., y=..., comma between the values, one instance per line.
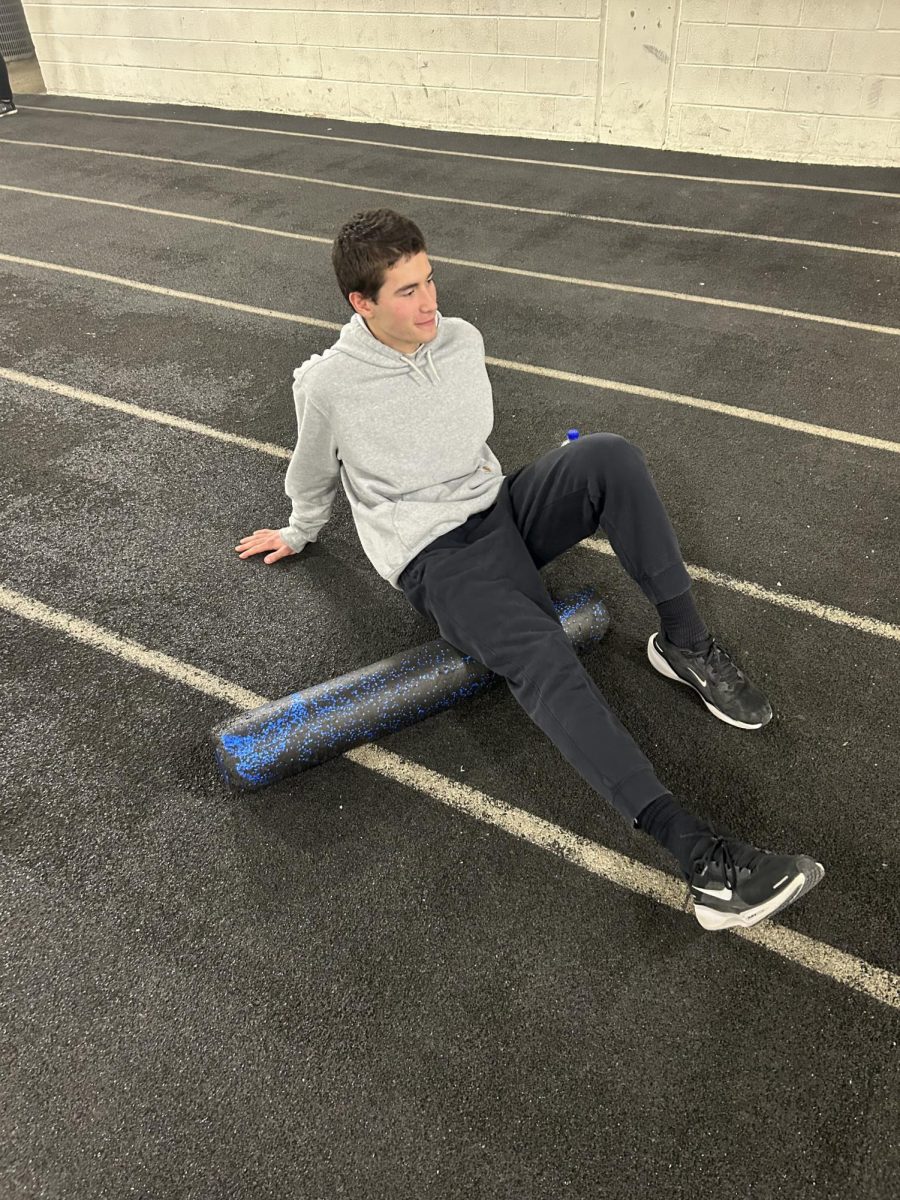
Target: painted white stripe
x=729, y=410
x=655, y=225
x=327, y=241
x=120, y=281
x=812, y=608
x=697, y=299
x=146, y=414
x=809, y=608
x=819, y=957
x=593, y=381
x=688, y=298
x=124, y=648
x=571, y=280
x=530, y=162
x=625, y=872
x=181, y=216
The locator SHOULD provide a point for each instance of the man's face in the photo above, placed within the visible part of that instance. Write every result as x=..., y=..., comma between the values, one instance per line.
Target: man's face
x=403, y=313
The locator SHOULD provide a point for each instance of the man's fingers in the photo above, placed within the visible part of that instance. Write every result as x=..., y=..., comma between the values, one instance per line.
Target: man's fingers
x=259, y=533
x=260, y=539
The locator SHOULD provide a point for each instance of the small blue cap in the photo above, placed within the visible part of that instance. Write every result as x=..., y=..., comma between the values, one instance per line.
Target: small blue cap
x=572, y=435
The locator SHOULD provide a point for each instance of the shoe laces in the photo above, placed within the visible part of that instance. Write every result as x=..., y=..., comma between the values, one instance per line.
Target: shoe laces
x=717, y=852
x=720, y=665
x=729, y=854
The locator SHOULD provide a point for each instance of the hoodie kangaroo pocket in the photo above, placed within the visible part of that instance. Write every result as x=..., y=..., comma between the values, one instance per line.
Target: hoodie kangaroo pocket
x=412, y=520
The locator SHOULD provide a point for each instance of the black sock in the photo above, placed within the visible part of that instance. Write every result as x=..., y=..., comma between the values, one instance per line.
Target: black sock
x=675, y=828
x=682, y=624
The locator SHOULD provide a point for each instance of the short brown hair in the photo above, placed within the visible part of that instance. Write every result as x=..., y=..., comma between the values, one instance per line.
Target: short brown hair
x=368, y=245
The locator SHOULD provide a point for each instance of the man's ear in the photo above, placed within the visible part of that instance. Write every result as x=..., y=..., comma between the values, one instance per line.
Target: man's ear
x=361, y=304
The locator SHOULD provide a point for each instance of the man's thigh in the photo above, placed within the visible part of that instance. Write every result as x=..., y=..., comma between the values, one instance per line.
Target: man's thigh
x=487, y=597
x=557, y=500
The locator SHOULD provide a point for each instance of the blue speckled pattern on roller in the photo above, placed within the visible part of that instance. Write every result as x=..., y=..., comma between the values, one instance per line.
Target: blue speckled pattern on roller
x=307, y=728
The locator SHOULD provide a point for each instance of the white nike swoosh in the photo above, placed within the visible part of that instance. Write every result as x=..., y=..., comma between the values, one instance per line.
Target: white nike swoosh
x=719, y=893
x=700, y=680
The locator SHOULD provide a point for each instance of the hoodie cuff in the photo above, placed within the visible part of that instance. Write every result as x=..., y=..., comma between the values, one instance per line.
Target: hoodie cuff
x=295, y=540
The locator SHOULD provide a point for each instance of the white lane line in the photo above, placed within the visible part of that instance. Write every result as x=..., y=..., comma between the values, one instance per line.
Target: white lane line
x=594, y=381
x=811, y=608
x=181, y=216
x=136, y=285
x=146, y=414
x=656, y=225
x=426, y=196
x=690, y=298
x=530, y=162
x=304, y=237
x=728, y=410
x=819, y=957
x=130, y=651
x=570, y=280
x=625, y=872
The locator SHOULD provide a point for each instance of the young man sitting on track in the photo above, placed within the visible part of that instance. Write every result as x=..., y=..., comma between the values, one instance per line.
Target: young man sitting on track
x=400, y=409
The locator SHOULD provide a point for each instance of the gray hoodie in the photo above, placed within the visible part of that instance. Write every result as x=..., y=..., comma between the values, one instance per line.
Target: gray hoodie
x=405, y=433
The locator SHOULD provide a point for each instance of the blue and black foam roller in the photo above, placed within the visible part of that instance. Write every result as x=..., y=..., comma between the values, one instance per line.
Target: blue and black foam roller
x=305, y=729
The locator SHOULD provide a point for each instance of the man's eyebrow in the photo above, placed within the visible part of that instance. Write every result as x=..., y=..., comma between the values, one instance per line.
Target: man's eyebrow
x=404, y=286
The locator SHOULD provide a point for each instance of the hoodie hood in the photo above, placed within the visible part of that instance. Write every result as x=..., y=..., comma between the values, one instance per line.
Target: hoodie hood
x=358, y=342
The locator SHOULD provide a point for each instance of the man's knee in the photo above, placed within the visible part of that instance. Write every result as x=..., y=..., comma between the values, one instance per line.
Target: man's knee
x=612, y=455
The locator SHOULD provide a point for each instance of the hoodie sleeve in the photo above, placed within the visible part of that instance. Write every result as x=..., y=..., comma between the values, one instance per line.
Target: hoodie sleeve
x=312, y=474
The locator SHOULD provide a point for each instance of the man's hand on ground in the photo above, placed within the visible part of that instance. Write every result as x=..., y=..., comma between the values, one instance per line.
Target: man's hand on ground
x=261, y=540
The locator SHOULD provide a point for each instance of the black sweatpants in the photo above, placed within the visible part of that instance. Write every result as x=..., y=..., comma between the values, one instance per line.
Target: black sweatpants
x=5, y=89
x=480, y=583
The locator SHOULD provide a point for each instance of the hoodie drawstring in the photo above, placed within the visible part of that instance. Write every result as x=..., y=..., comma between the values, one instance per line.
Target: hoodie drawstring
x=418, y=371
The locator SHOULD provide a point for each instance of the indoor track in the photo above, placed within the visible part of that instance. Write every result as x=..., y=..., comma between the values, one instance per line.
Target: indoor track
x=440, y=967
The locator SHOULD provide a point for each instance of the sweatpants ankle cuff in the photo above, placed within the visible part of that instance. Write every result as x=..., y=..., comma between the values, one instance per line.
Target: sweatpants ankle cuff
x=632, y=795
x=672, y=581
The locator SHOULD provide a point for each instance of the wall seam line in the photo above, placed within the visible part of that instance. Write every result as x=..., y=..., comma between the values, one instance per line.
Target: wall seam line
x=670, y=82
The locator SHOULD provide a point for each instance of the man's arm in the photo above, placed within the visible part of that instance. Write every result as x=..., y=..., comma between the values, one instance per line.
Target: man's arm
x=311, y=484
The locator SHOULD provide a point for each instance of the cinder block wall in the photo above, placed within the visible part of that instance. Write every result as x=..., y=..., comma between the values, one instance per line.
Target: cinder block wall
x=813, y=80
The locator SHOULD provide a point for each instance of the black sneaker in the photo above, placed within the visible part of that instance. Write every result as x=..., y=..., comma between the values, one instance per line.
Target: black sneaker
x=736, y=884
x=7, y=108
x=716, y=678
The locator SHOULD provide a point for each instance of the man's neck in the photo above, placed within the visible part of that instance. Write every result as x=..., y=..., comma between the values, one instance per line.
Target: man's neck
x=407, y=353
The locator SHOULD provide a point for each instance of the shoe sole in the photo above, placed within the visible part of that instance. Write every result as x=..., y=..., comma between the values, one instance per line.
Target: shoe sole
x=809, y=874
x=662, y=665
